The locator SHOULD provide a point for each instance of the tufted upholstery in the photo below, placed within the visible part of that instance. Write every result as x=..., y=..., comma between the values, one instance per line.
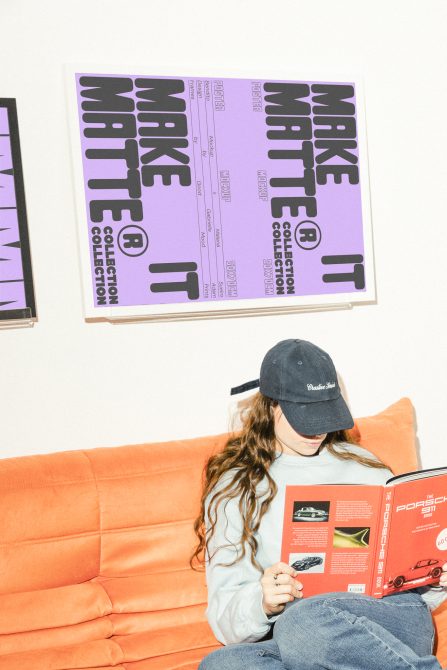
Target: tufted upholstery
x=95, y=547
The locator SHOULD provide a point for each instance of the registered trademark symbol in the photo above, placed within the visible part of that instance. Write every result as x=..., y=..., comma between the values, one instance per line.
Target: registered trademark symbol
x=307, y=235
x=133, y=240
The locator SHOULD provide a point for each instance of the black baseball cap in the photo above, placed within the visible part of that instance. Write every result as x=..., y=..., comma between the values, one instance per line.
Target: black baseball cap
x=302, y=378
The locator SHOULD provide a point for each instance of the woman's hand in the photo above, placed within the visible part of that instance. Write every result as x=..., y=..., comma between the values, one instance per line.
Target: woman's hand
x=443, y=577
x=279, y=587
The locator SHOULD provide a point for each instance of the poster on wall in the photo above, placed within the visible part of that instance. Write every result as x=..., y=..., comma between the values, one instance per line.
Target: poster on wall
x=219, y=195
x=17, y=302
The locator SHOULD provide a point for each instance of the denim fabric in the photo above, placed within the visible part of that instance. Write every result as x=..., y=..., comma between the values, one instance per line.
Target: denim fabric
x=340, y=631
x=249, y=656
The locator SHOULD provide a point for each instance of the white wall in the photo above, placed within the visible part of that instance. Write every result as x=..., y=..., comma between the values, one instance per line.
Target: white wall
x=67, y=384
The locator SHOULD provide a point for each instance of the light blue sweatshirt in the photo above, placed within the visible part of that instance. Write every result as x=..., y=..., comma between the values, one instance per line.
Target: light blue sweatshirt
x=235, y=611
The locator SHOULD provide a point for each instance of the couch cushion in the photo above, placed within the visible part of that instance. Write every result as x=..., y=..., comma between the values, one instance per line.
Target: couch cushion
x=167, y=641
x=117, y=649
x=181, y=661
x=50, y=515
x=184, y=660
x=66, y=657
x=52, y=608
x=391, y=436
x=126, y=623
x=139, y=607
x=78, y=634
x=156, y=592
x=151, y=548
x=142, y=532
x=146, y=615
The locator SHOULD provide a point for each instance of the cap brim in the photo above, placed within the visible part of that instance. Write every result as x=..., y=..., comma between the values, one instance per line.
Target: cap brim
x=316, y=418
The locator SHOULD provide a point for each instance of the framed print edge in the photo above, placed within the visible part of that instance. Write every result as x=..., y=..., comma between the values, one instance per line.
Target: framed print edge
x=28, y=313
x=368, y=237
x=217, y=307
x=80, y=205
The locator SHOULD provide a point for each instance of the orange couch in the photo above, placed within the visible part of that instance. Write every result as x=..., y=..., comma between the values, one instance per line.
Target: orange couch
x=95, y=546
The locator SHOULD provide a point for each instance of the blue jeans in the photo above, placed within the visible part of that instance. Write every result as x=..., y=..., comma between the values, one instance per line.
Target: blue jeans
x=340, y=631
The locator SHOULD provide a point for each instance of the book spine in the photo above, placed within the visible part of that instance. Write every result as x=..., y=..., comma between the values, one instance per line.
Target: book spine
x=377, y=583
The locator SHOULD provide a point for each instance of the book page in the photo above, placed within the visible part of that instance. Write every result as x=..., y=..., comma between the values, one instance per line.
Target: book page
x=329, y=536
x=417, y=546
x=418, y=474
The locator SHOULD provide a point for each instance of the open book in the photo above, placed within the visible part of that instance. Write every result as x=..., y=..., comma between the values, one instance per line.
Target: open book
x=375, y=540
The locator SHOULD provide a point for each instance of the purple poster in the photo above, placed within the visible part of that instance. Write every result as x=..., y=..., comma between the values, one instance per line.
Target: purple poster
x=202, y=194
x=16, y=281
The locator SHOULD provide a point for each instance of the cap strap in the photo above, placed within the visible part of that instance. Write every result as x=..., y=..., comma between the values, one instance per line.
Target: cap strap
x=245, y=387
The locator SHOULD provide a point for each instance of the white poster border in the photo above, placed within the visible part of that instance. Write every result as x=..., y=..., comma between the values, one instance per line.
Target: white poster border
x=233, y=307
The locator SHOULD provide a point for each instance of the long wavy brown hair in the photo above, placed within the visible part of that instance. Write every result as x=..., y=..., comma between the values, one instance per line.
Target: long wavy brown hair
x=249, y=455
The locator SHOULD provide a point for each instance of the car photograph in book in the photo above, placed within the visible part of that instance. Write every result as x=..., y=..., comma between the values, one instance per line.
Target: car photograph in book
x=310, y=563
x=375, y=540
x=304, y=511
x=200, y=193
x=419, y=519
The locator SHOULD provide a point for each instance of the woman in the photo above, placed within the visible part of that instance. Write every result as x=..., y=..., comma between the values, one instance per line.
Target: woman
x=294, y=433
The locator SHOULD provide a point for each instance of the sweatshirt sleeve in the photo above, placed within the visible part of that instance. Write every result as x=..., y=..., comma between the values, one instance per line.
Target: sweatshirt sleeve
x=235, y=611
x=434, y=596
